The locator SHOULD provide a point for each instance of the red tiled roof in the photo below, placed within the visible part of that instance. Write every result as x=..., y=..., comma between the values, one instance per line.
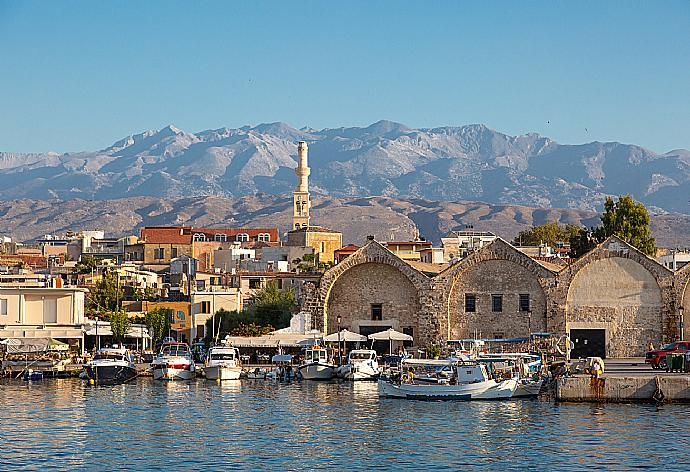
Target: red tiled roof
x=167, y=234
x=348, y=248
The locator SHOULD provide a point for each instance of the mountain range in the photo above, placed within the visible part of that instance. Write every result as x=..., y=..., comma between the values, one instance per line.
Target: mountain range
x=466, y=163
x=386, y=218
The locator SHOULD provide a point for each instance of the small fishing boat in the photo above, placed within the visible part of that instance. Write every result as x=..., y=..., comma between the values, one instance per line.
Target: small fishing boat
x=316, y=364
x=174, y=362
x=223, y=363
x=468, y=380
x=257, y=373
x=282, y=368
x=361, y=365
x=31, y=375
x=111, y=365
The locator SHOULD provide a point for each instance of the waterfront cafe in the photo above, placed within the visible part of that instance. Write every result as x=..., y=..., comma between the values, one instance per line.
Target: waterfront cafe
x=99, y=333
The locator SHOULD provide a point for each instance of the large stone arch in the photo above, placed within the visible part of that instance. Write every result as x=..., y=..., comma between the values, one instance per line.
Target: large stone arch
x=619, y=289
x=359, y=288
x=495, y=269
x=374, y=275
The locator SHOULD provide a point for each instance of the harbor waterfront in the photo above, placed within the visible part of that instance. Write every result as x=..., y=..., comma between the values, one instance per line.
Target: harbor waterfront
x=67, y=424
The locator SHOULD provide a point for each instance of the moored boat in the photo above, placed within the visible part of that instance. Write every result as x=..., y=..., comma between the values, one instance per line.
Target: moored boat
x=111, y=365
x=316, y=364
x=174, y=362
x=468, y=380
x=222, y=363
x=361, y=365
x=524, y=367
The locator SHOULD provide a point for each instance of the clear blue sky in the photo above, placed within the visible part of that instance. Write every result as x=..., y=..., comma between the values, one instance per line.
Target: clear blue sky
x=80, y=75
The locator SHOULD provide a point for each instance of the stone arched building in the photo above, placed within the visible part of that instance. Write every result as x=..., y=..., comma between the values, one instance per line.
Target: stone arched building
x=372, y=290
x=613, y=301
x=496, y=292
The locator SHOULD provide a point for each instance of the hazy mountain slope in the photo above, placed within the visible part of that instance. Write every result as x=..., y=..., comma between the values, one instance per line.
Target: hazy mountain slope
x=386, y=218
x=446, y=164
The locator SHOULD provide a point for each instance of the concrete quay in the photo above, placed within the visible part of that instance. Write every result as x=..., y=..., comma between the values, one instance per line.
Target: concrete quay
x=626, y=380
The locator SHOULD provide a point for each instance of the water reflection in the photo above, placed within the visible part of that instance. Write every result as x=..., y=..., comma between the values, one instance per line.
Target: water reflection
x=70, y=425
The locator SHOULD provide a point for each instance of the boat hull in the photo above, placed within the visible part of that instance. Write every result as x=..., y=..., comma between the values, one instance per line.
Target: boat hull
x=219, y=372
x=172, y=373
x=110, y=374
x=528, y=389
x=358, y=372
x=487, y=390
x=316, y=371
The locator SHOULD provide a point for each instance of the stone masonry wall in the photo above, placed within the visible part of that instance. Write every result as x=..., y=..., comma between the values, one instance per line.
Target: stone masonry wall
x=496, y=277
x=357, y=289
x=622, y=297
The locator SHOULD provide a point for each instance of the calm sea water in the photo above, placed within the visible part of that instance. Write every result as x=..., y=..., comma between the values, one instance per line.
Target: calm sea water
x=69, y=425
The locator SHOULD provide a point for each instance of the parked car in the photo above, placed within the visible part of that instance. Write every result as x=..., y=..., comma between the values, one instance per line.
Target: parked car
x=657, y=357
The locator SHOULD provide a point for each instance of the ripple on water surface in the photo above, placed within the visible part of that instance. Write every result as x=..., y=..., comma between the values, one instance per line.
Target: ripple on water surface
x=147, y=425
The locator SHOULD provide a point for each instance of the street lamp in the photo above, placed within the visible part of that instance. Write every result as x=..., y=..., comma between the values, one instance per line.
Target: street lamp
x=339, y=319
x=681, y=323
x=98, y=340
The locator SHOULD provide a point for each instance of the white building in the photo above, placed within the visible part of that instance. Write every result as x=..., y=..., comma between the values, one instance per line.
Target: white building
x=34, y=312
x=674, y=260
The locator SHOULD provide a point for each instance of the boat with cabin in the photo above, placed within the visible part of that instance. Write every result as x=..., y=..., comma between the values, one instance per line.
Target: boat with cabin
x=110, y=366
x=524, y=367
x=421, y=379
x=174, y=362
x=223, y=363
x=361, y=365
x=317, y=365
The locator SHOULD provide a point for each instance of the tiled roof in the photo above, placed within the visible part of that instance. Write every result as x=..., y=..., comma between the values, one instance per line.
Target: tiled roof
x=167, y=234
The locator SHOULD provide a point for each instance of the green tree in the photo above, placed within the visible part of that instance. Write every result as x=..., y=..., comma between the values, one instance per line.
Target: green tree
x=106, y=295
x=86, y=264
x=273, y=306
x=158, y=323
x=549, y=233
x=119, y=324
x=226, y=323
x=629, y=220
x=582, y=242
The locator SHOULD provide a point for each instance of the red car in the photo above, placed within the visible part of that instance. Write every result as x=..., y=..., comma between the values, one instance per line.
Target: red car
x=657, y=357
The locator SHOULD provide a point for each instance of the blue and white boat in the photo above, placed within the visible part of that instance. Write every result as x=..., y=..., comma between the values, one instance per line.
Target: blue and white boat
x=468, y=380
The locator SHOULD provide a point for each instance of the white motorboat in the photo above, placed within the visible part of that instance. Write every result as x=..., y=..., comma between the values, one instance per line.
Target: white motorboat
x=174, y=362
x=223, y=363
x=468, y=381
x=111, y=365
x=361, y=365
x=525, y=367
x=316, y=364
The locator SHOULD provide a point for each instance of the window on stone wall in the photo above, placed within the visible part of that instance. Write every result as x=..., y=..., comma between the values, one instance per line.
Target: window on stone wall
x=470, y=303
x=205, y=307
x=524, y=302
x=376, y=311
x=173, y=253
x=496, y=303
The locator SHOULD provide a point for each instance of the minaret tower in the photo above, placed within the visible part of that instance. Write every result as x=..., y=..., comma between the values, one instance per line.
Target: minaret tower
x=300, y=209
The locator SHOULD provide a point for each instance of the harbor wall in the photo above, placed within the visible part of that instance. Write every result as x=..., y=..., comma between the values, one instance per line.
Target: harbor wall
x=673, y=388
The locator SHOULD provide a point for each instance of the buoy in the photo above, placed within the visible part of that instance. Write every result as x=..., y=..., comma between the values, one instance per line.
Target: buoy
x=91, y=381
x=217, y=380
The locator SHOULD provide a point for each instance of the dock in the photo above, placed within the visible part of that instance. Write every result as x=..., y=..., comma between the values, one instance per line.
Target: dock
x=626, y=380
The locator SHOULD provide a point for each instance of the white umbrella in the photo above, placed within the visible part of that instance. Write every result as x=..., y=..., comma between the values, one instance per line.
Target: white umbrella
x=390, y=335
x=345, y=335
